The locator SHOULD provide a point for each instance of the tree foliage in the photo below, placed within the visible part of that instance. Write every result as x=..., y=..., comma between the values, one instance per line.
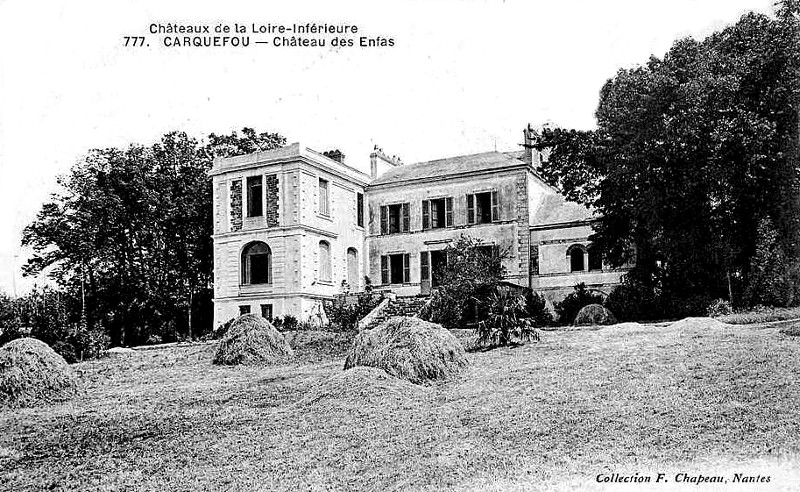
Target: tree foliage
x=471, y=274
x=690, y=153
x=130, y=234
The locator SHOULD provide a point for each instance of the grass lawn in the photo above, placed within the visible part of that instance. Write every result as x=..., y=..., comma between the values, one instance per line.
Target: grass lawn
x=547, y=416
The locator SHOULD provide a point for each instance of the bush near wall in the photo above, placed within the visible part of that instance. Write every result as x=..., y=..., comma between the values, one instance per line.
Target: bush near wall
x=581, y=296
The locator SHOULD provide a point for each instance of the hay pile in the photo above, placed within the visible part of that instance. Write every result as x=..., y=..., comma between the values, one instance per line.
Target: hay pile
x=32, y=373
x=594, y=314
x=409, y=348
x=629, y=326
x=252, y=340
x=698, y=324
x=361, y=386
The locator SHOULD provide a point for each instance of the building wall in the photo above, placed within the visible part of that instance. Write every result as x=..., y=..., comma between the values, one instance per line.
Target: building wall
x=291, y=226
x=554, y=279
x=504, y=232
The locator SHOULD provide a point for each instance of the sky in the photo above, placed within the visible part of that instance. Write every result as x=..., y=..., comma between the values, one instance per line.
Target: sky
x=462, y=77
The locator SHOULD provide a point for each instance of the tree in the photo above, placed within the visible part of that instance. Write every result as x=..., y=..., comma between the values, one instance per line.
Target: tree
x=690, y=152
x=773, y=281
x=470, y=274
x=130, y=233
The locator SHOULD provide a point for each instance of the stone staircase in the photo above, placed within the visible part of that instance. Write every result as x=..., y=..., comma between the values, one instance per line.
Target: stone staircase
x=397, y=306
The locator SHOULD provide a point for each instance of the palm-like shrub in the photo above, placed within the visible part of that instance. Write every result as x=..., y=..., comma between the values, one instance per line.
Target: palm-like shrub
x=507, y=322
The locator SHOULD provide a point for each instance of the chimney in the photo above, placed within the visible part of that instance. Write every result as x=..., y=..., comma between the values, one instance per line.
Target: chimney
x=380, y=162
x=335, y=154
x=529, y=153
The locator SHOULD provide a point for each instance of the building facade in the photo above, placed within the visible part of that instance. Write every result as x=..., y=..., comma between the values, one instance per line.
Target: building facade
x=293, y=227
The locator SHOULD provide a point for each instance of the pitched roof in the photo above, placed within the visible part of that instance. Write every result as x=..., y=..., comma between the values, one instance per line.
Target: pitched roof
x=554, y=209
x=450, y=166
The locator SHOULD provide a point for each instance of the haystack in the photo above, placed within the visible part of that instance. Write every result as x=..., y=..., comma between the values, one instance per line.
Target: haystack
x=629, y=326
x=362, y=385
x=252, y=340
x=594, y=314
x=701, y=324
x=409, y=348
x=32, y=373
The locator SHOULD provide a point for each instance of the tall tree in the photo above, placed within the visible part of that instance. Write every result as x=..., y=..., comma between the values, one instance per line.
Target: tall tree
x=690, y=152
x=131, y=232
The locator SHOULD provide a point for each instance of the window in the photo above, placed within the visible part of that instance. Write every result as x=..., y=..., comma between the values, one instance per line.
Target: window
x=244, y=310
x=256, y=264
x=534, y=260
x=255, y=200
x=595, y=258
x=395, y=269
x=325, y=267
x=266, y=311
x=437, y=213
x=575, y=254
x=488, y=250
x=482, y=208
x=360, y=209
x=432, y=265
x=324, y=208
x=394, y=218
x=352, y=268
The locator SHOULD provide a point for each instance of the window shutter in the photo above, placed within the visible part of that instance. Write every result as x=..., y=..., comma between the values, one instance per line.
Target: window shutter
x=406, y=219
x=360, y=209
x=495, y=207
x=384, y=219
x=470, y=209
x=424, y=269
x=426, y=214
x=448, y=212
x=384, y=269
x=406, y=268
x=495, y=251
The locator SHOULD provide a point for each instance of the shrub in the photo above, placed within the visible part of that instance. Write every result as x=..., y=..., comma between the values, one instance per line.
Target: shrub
x=345, y=315
x=568, y=308
x=632, y=302
x=719, y=307
x=66, y=350
x=252, y=340
x=536, y=309
x=409, y=348
x=594, y=314
x=507, y=322
x=470, y=273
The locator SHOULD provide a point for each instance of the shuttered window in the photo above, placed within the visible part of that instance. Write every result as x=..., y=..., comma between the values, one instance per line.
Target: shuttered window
x=395, y=218
x=325, y=269
x=424, y=266
x=483, y=207
x=324, y=199
x=396, y=269
x=360, y=209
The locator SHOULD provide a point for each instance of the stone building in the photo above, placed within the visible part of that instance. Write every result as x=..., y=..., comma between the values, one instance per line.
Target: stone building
x=293, y=227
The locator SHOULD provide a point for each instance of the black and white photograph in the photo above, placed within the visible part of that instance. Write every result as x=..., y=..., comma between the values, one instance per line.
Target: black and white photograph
x=407, y=245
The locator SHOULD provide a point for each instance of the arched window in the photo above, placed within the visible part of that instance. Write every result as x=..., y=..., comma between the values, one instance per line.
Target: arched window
x=595, y=258
x=352, y=268
x=256, y=264
x=575, y=254
x=325, y=270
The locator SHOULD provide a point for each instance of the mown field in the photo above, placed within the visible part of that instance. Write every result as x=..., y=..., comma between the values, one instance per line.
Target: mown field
x=546, y=416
